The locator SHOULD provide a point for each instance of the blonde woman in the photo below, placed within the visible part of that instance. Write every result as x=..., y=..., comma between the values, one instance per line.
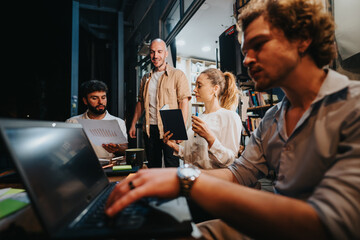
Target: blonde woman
x=214, y=139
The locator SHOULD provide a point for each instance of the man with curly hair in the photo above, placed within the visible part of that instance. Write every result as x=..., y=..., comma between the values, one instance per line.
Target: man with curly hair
x=94, y=96
x=311, y=139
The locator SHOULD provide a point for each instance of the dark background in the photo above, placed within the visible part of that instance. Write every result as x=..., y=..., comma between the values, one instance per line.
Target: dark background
x=40, y=45
x=38, y=65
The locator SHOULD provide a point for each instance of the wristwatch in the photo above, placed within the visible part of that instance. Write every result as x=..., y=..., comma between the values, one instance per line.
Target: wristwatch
x=187, y=176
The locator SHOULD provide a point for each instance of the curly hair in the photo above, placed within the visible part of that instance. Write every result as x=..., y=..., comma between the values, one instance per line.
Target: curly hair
x=92, y=86
x=229, y=93
x=299, y=20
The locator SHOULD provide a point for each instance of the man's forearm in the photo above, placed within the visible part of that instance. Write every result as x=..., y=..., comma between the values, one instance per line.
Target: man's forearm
x=223, y=173
x=278, y=216
x=138, y=111
x=184, y=106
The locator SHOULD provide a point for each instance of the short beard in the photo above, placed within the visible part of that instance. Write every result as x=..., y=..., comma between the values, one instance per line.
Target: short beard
x=95, y=111
x=157, y=68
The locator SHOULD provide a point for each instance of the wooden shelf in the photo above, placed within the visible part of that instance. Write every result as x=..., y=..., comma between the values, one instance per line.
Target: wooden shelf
x=259, y=107
x=247, y=84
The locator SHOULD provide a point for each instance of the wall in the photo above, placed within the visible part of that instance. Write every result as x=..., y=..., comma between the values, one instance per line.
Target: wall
x=39, y=82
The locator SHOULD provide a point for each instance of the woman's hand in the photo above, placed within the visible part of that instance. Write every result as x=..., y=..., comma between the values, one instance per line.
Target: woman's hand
x=160, y=182
x=170, y=143
x=201, y=128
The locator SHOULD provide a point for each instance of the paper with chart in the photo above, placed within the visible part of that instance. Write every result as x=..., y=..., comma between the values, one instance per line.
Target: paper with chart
x=103, y=131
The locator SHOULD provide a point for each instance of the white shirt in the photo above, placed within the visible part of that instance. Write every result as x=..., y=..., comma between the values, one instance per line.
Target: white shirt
x=153, y=86
x=226, y=126
x=99, y=150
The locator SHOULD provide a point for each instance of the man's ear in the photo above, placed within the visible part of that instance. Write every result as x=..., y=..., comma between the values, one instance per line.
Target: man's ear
x=84, y=101
x=304, y=45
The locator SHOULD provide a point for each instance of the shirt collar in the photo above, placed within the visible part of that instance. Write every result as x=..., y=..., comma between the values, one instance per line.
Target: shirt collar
x=168, y=69
x=334, y=82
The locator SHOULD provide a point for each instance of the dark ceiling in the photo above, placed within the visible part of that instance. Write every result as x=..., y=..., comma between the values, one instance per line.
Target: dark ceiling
x=99, y=17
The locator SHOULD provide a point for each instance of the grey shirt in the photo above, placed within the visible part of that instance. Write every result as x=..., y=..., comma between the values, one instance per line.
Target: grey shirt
x=320, y=161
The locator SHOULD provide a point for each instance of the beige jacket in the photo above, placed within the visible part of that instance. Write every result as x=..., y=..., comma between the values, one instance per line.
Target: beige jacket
x=173, y=87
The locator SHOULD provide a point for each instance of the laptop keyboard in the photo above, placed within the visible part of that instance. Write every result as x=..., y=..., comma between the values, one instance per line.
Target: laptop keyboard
x=132, y=217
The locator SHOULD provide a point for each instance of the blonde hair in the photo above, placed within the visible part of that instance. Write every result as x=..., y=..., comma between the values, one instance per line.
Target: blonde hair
x=229, y=93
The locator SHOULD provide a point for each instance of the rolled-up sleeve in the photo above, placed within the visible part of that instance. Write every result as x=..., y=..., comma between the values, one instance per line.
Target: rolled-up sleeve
x=251, y=165
x=337, y=198
x=182, y=86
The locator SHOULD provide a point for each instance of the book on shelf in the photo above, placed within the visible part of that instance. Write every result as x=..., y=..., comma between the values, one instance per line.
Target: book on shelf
x=266, y=98
x=257, y=104
x=173, y=121
x=257, y=99
x=252, y=123
x=275, y=98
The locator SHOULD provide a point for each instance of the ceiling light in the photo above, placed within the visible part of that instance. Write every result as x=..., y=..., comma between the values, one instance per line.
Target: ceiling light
x=180, y=43
x=206, y=49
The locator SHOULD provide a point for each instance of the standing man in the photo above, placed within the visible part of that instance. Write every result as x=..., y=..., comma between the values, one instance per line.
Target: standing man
x=163, y=85
x=311, y=139
x=93, y=94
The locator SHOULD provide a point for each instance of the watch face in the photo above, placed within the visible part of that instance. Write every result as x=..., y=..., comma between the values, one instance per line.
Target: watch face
x=187, y=175
x=190, y=172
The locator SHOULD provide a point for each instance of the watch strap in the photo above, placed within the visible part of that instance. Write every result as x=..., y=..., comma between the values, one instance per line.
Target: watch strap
x=186, y=182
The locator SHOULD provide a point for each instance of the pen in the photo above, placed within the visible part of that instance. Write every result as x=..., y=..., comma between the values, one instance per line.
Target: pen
x=196, y=114
x=109, y=165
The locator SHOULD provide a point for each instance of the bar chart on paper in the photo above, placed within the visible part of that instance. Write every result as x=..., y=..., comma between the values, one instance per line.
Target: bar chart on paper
x=103, y=131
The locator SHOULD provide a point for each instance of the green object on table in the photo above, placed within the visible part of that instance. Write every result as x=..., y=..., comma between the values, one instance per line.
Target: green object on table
x=9, y=206
x=12, y=200
x=122, y=167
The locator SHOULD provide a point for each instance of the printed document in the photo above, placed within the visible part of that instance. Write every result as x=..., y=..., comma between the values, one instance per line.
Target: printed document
x=103, y=131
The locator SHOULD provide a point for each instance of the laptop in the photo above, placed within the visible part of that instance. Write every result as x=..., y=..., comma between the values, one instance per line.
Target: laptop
x=67, y=186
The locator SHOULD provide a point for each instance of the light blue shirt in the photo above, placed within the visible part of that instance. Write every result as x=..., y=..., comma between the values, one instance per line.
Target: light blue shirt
x=320, y=161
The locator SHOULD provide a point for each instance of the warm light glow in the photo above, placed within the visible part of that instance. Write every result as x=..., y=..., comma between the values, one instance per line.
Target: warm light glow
x=180, y=43
x=206, y=49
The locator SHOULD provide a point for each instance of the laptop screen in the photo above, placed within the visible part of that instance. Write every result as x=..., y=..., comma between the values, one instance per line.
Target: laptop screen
x=59, y=168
